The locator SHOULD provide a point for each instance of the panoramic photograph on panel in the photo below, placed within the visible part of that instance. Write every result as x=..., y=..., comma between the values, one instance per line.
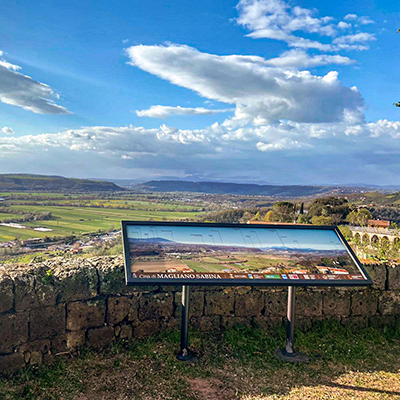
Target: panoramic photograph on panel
x=201, y=252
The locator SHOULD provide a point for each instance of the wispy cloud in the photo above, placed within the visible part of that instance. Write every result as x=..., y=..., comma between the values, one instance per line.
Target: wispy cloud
x=7, y=130
x=166, y=111
x=22, y=91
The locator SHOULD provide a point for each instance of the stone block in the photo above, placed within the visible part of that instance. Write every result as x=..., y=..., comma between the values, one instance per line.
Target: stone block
x=100, y=337
x=59, y=344
x=249, y=304
x=220, y=303
x=155, y=305
x=308, y=303
x=87, y=314
x=11, y=363
x=275, y=303
x=378, y=275
x=36, y=358
x=112, y=275
x=6, y=293
x=13, y=331
x=393, y=277
x=78, y=281
x=389, y=303
x=125, y=332
x=266, y=322
x=122, y=308
x=75, y=339
x=379, y=321
x=207, y=323
x=355, y=322
x=196, y=308
x=47, y=322
x=146, y=328
x=25, y=294
x=41, y=346
x=336, y=303
x=364, y=303
x=171, y=324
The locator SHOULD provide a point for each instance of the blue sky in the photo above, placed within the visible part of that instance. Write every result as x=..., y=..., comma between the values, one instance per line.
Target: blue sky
x=252, y=90
x=255, y=237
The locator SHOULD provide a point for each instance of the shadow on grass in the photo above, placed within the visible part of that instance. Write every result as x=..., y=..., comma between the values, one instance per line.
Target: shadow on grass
x=238, y=363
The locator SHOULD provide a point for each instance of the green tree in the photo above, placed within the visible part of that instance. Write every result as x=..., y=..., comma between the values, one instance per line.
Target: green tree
x=302, y=219
x=321, y=220
x=284, y=211
x=363, y=216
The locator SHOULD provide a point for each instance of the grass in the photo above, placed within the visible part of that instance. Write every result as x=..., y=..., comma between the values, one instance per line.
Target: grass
x=238, y=364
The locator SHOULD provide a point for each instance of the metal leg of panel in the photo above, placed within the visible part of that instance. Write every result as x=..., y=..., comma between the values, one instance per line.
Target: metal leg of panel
x=185, y=354
x=288, y=353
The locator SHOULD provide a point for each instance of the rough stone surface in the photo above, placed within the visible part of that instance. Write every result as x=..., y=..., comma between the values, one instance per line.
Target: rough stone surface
x=220, y=303
x=47, y=322
x=146, y=328
x=156, y=305
x=75, y=339
x=6, y=293
x=389, y=303
x=196, y=303
x=364, y=303
x=308, y=303
x=122, y=308
x=77, y=282
x=378, y=275
x=101, y=336
x=336, y=303
x=87, y=314
x=13, y=331
x=11, y=363
x=249, y=304
x=394, y=277
x=275, y=303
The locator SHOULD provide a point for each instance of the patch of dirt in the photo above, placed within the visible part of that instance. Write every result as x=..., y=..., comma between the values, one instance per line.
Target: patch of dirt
x=210, y=389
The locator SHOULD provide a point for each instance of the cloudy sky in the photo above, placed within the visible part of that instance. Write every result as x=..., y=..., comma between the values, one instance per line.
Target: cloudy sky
x=274, y=91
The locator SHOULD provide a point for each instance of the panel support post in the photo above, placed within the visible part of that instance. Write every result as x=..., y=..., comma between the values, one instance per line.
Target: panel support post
x=185, y=354
x=289, y=354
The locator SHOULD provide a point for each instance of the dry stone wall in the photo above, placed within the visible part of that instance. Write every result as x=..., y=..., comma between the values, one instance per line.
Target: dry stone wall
x=55, y=307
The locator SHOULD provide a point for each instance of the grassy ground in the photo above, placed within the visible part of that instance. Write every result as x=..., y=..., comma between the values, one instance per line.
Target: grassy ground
x=239, y=364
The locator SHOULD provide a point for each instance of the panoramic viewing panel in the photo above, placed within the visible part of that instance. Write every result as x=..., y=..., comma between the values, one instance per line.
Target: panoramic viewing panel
x=263, y=253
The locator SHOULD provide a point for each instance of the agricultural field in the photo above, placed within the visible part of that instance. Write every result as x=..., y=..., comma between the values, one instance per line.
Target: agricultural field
x=78, y=214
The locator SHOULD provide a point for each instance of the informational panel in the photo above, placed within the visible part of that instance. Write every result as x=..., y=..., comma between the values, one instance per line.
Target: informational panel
x=238, y=254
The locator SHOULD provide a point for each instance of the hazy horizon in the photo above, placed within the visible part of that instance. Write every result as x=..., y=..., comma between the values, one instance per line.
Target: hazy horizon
x=270, y=91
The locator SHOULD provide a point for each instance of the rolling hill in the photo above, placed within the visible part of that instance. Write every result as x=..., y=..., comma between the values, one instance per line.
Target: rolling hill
x=23, y=182
x=232, y=188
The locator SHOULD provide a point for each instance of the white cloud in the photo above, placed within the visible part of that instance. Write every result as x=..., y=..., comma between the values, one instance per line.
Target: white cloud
x=344, y=25
x=365, y=21
x=215, y=151
x=22, y=91
x=356, y=38
x=350, y=17
x=166, y=111
x=7, y=130
x=282, y=144
x=300, y=59
x=276, y=19
x=260, y=92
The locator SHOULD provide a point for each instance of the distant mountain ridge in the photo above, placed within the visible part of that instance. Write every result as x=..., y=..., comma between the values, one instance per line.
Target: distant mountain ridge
x=233, y=188
x=23, y=182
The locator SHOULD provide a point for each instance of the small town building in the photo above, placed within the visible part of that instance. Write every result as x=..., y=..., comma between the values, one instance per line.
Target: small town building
x=377, y=223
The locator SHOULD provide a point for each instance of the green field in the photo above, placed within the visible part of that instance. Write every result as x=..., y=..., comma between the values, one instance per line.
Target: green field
x=76, y=220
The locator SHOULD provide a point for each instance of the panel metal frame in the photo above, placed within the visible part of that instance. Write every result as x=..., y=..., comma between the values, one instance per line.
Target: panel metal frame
x=130, y=281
